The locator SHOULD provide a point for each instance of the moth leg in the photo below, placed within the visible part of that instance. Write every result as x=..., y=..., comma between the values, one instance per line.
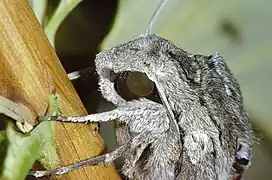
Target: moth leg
x=97, y=117
x=105, y=159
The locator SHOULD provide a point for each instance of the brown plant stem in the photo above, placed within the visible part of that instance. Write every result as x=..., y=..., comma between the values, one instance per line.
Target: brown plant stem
x=29, y=70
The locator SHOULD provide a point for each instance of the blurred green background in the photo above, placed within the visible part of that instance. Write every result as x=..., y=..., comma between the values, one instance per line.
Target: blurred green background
x=240, y=30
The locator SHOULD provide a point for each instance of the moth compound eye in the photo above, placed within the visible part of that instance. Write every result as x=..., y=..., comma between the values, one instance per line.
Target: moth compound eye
x=133, y=85
x=139, y=84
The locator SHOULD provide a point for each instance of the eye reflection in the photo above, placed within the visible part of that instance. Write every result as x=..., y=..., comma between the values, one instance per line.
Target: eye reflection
x=133, y=85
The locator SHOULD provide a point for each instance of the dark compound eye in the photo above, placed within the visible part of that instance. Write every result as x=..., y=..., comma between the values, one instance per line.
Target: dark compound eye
x=134, y=85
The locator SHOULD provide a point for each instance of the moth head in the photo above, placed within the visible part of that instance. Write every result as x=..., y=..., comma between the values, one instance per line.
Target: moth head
x=128, y=71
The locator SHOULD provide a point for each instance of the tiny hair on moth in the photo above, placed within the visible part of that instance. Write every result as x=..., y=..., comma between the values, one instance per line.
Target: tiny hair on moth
x=178, y=115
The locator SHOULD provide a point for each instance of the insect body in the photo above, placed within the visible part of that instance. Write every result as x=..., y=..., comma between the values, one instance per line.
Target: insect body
x=178, y=115
x=188, y=121
x=203, y=97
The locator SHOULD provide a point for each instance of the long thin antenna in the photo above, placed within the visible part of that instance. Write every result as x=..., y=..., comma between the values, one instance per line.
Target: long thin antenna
x=154, y=16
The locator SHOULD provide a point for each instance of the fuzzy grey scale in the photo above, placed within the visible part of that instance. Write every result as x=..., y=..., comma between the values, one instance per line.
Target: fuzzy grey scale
x=207, y=105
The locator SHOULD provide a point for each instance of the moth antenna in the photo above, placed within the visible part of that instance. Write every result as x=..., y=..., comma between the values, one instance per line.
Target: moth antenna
x=154, y=16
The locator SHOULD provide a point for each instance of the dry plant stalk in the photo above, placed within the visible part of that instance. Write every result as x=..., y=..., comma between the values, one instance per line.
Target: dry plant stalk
x=29, y=68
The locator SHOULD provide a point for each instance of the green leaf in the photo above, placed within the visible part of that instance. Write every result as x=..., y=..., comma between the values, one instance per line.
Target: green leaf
x=63, y=9
x=39, y=8
x=3, y=147
x=237, y=29
x=48, y=156
x=24, y=149
x=2, y=135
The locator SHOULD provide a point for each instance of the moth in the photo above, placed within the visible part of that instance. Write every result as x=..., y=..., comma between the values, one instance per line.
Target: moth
x=177, y=115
